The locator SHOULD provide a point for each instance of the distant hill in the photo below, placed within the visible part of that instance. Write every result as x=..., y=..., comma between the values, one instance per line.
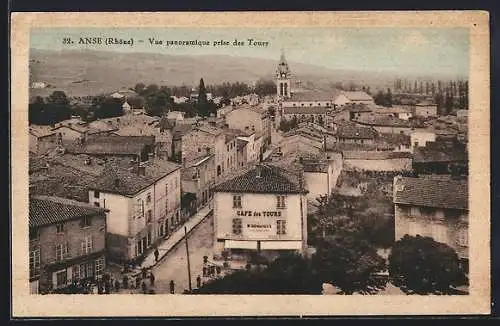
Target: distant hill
x=80, y=73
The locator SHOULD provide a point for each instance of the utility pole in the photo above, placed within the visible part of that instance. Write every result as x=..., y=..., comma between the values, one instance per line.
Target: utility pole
x=188, y=262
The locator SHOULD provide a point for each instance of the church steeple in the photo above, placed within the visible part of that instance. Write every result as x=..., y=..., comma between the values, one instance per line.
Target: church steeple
x=283, y=76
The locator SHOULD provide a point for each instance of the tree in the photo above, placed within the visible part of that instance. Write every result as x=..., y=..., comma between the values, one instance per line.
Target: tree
x=288, y=274
x=423, y=266
x=58, y=98
x=388, y=98
x=139, y=88
x=106, y=107
x=265, y=87
x=347, y=260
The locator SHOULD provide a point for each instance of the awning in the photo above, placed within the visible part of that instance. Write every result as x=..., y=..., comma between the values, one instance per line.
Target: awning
x=283, y=245
x=235, y=244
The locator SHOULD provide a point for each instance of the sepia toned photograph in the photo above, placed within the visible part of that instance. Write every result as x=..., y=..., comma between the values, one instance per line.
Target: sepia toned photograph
x=339, y=160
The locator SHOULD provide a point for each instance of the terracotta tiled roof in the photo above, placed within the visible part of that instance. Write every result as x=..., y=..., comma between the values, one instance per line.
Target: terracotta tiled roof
x=311, y=96
x=383, y=120
x=374, y=155
x=46, y=210
x=272, y=179
x=436, y=153
x=112, y=145
x=125, y=181
x=452, y=194
x=306, y=110
x=357, y=96
x=348, y=130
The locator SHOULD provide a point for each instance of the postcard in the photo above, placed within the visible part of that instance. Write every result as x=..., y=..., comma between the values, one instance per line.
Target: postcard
x=250, y=164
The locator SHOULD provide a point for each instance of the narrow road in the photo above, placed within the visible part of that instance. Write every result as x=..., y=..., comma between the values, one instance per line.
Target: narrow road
x=174, y=265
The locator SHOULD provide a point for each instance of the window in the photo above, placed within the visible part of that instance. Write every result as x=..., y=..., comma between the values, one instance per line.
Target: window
x=427, y=211
x=463, y=237
x=86, y=222
x=96, y=194
x=34, y=234
x=99, y=266
x=34, y=262
x=62, y=278
x=139, y=208
x=280, y=202
x=148, y=198
x=76, y=273
x=60, y=228
x=237, y=226
x=414, y=211
x=440, y=233
x=87, y=245
x=61, y=251
x=237, y=201
x=96, y=204
x=281, y=227
x=90, y=269
x=149, y=216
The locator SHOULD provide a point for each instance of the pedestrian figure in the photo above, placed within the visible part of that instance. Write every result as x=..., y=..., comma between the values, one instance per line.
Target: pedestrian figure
x=157, y=253
x=125, y=282
x=152, y=279
x=117, y=285
x=137, y=282
x=99, y=288
x=172, y=287
x=144, y=287
x=144, y=272
x=198, y=281
x=107, y=287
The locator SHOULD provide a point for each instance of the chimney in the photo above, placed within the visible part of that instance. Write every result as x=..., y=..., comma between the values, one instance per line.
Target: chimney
x=258, y=171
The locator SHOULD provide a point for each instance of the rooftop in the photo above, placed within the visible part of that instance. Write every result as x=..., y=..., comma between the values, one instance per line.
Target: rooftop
x=47, y=210
x=311, y=96
x=306, y=110
x=374, y=155
x=41, y=131
x=112, y=145
x=350, y=130
x=263, y=178
x=439, y=152
x=357, y=96
x=383, y=120
x=126, y=181
x=451, y=194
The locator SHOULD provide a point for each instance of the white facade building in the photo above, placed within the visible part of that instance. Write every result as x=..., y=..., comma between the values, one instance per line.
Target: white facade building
x=262, y=210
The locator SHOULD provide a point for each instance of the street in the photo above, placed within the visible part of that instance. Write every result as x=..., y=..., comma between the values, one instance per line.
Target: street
x=174, y=265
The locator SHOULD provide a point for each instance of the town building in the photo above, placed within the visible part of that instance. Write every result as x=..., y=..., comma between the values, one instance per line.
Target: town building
x=251, y=118
x=143, y=202
x=381, y=161
x=198, y=177
x=262, y=210
x=354, y=97
x=66, y=242
x=351, y=112
x=316, y=114
x=202, y=137
x=396, y=111
x=352, y=133
x=425, y=109
x=433, y=208
x=388, y=124
x=421, y=138
x=41, y=139
x=441, y=157
x=134, y=147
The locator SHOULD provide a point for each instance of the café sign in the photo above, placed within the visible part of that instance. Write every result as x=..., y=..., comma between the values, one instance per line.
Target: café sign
x=259, y=213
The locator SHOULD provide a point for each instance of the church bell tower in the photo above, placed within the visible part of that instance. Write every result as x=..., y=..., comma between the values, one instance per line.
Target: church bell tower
x=283, y=76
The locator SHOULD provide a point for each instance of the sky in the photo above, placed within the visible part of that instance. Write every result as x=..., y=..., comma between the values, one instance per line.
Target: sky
x=401, y=50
